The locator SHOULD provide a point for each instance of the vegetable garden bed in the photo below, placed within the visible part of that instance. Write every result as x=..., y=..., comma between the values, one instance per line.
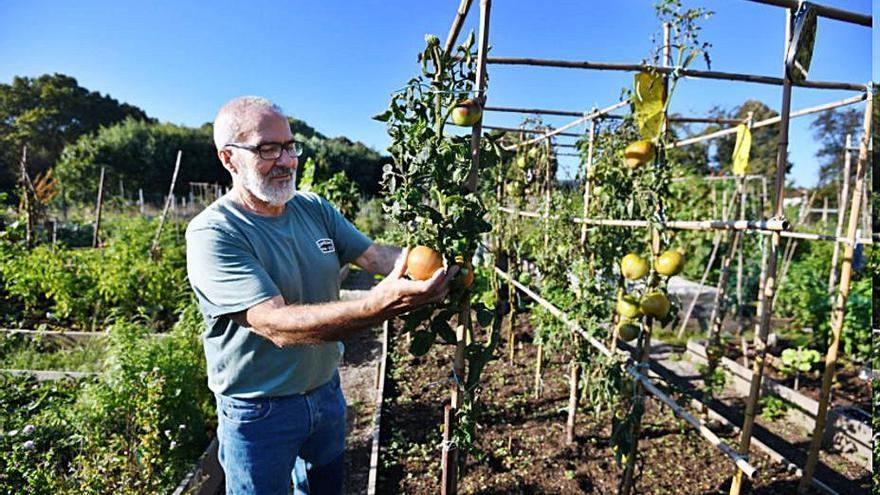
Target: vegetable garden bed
x=522, y=438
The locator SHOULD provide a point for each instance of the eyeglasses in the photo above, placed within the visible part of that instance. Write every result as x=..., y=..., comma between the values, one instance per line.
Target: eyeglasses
x=271, y=151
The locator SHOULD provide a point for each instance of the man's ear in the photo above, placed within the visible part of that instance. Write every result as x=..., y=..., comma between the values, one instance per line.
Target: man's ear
x=225, y=156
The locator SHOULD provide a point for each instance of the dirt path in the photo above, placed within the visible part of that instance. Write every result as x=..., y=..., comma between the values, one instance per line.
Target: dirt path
x=358, y=372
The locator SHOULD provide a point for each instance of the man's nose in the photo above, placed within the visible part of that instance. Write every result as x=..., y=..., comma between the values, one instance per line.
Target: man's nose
x=287, y=159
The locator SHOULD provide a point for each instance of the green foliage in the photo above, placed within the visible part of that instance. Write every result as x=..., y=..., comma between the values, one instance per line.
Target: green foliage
x=28, y=352
x=337, y=188
x=47, y=113
x=81, y=288
x=142, y=155
x=799, y=360
x=430, y=194
x=135, y=429
x=804, y=297
x=772, y=407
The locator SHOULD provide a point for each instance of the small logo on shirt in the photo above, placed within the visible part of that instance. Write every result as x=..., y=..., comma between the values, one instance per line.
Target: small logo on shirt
x=326, y=246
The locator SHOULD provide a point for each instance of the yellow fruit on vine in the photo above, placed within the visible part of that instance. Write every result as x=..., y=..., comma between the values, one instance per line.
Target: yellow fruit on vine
x=628, y=330
x=655, y=304
x=639, y=153
x=633, y=266
x=467, y=113
x=669, y=263
x=628, y=306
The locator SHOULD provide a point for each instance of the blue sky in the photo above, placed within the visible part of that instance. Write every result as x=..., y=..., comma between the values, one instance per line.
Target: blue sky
x=334, y=64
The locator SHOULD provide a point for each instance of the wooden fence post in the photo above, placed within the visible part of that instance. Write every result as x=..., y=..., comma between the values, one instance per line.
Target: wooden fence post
x=96, y=240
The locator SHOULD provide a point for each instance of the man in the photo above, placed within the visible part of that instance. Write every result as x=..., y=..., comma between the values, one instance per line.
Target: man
x=263, y=261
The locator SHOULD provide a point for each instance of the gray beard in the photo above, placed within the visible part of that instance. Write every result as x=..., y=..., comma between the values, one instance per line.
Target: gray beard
x=262, y=187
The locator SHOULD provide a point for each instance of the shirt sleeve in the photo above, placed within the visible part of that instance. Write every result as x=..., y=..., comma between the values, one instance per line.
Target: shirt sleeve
x=350, y=242
x=224, y=273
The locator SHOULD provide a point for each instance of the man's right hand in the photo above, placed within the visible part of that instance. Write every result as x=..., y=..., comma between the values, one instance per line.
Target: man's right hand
x=397, y=294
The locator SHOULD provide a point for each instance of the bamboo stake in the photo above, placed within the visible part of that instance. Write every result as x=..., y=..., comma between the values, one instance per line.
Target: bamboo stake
x=154, y=249
x=627, y=482
x=587, y=181
x=28, y=188
x=824, y=11
x=701, y=74
x=450, y=473
x=791, y=245
x=770, y=121
x=141, y=201
x=716, y=243
x=567, y=113
x=455, y=29
x=581, y=120
x=762, y=227
x=528, y=131
x=824, y=210
x=772, y=225
x=96, y=240
x=573, y=377
x=769, y=285
x=837, y=317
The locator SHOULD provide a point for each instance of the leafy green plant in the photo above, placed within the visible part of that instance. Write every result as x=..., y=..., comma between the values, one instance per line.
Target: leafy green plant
x=797, y=361
x=772, y=407
x=430, y=192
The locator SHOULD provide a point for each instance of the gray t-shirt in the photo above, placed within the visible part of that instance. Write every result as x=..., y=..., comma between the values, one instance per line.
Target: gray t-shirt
x=237, y=259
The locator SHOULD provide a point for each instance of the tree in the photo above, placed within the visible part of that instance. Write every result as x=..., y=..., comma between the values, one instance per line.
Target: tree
x=142, y=154
x=47, y=113
x=829, y=130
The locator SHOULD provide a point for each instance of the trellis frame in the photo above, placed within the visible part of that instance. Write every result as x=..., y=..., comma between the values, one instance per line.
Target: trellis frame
x=768, y=276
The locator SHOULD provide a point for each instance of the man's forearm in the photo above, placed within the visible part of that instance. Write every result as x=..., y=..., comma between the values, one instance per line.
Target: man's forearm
x=379, y=259
x=304, y=324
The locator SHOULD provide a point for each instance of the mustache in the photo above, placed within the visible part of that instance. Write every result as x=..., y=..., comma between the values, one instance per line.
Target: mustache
x=276, y=171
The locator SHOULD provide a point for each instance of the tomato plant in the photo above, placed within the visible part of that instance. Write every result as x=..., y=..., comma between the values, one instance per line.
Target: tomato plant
x=428, y=193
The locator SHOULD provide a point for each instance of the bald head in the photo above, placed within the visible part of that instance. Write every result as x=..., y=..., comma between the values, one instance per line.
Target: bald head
x=241, y=116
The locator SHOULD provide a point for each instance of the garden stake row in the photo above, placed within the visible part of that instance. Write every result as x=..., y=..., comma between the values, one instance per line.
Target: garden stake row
x=764, y=227
x=841, y=202
x=776, y=227
x=706, y=433
x=566, y=113
x=837, y=316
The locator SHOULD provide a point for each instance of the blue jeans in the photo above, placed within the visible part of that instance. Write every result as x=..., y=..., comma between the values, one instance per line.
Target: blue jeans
x=265, y=442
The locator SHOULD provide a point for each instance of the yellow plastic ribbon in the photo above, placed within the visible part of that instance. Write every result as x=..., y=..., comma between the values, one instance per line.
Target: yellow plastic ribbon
x=648, y=102
x=741, y=150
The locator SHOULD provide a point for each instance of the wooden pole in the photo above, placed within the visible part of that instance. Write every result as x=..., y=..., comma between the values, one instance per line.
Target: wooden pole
x=716, y=243
x=769, y=279
x=547, y=135
x=824, y=11
x=141, y=201
x=824, y=210
x=154, y=248
x=455, y=29
x=627, y=482
x=96, y=240
x=588, y=167
x=568, y=113
x=700, y=74
x=573, y=378
x=839, y=310
x=770, y=121
x=27, y=198
x=450, y=472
